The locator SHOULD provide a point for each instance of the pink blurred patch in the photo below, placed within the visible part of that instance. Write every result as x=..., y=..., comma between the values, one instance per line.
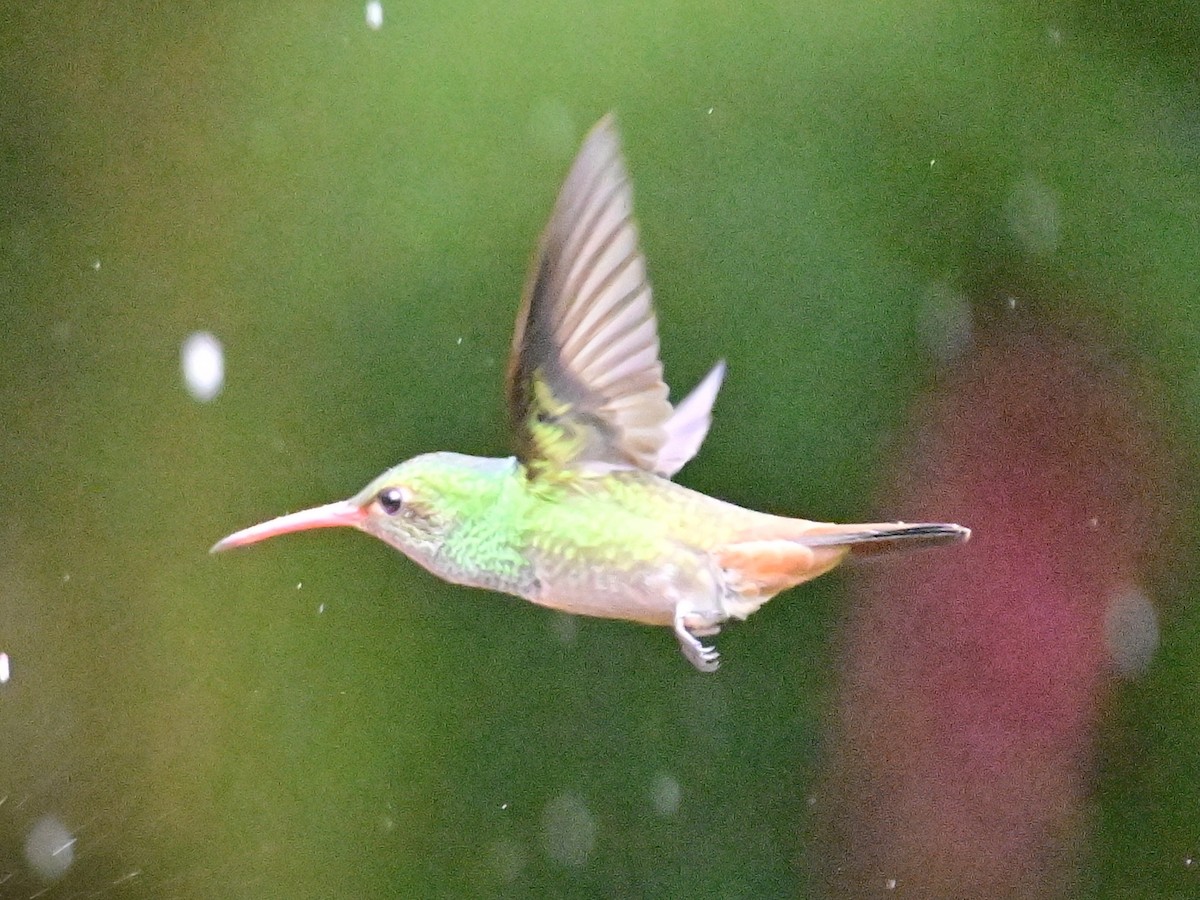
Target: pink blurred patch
x=975, y=677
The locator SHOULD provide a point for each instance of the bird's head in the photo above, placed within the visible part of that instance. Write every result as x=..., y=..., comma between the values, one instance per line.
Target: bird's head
x=412, y=506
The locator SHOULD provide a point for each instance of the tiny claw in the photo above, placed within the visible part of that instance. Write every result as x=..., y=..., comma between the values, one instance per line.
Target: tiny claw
x=709, y=659
x=702, y=656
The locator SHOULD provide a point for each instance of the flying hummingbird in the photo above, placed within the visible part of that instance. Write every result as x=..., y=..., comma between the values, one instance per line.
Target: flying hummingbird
x=584, y=518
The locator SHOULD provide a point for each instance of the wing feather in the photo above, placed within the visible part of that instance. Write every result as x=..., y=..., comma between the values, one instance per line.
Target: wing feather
x=585, y=386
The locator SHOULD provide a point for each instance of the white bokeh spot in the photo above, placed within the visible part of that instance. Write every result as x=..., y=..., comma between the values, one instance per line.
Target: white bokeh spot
x=568, y=831
x=49, y=847
x=202, y=359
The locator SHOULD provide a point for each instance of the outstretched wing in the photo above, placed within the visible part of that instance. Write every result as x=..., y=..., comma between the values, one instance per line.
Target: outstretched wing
x=585, y=385
x=689, y=423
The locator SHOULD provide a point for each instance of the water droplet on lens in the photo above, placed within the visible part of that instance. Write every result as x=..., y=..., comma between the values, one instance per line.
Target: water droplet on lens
x=374, y=13
x=568, y=831
x=1131, y=631
x=666, y=794
x=49, y=847
x=203, y=361
x=565, y=627
x=508, y=859
x=1034, y=217
x=945, y=322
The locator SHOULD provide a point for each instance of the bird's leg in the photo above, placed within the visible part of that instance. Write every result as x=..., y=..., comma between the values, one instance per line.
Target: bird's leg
x=702, y=657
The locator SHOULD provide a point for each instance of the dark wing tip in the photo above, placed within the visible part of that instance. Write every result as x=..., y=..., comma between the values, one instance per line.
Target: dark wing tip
x=871, y=539
x=910, y=537
x=936, y=532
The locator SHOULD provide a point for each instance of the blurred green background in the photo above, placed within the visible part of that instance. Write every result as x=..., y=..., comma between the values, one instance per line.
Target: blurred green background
x=350, y=211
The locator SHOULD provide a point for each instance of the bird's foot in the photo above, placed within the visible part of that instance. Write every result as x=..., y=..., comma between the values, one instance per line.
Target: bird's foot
x=703, y=657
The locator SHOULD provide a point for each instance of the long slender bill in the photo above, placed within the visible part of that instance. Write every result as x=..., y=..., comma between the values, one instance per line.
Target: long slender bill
x=331, y=515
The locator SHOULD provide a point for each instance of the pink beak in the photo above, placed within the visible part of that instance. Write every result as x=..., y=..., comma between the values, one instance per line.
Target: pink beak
x=344, y=512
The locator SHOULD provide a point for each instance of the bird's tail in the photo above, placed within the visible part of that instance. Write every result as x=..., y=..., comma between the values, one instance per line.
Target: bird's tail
x=783, y=553
x=884, y=537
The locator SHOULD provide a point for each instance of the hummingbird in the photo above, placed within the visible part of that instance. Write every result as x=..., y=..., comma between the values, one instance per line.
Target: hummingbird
x=584, y=517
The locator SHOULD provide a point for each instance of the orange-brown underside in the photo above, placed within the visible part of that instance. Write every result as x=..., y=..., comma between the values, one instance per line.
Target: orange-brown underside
x=763, y=568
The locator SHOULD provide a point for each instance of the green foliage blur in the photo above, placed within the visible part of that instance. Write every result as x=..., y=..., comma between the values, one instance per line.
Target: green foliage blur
x=350, y=211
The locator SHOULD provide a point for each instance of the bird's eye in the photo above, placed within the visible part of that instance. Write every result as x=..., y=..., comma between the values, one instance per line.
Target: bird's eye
x=391, y=500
